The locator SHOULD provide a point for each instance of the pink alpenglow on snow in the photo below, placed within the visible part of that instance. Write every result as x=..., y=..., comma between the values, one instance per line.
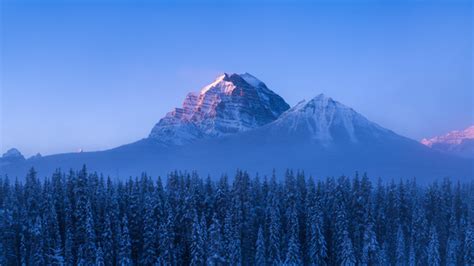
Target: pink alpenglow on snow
x=459, y=142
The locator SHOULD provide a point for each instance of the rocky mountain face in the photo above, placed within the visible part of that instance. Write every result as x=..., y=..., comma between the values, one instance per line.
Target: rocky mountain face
x=457, y=142
x=231, y=104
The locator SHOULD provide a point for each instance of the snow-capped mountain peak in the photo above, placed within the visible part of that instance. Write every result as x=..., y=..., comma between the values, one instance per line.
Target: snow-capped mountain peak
x=221, y=84
x=325, y=120
x=458, y=142
x=454, y=137
x=232, y=103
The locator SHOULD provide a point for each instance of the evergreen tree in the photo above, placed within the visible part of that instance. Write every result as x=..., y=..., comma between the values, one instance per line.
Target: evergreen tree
x=37, y=256
x=135, y=210
x=81, y=261
x=68, y=246
x=166, y=238
x=451, y=251
x=420, y=236
x=125, y=254
x=232, y=241
x=260, y=258
x=274, y=227
x=197, y=243
x=382, y=256
x=99, y=258
x=317, y=250
x=149, y=232
x=22, y=250
x=107, y=241
x=433, y=248
x=400, y=251
x=343, y=244
x=83, y=218
x=293, y=254
x=216, y=243
x=469, y=247
x=411, y=255
x=370, y=246
x=90, y=245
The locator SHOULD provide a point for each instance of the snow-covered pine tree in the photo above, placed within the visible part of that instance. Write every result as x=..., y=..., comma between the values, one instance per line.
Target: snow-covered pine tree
x=81, y=213
x=197, y=242
x=215, y=255
x=293, y=254
x=135, y=223
x=107, y=240
x=451, y=251
x=274, y=226
x=411, y=254
x=301, y=212
x=382, y=255
x=433, y=248
x=54, y=250
x=232, y=241
x=317, y=249
x=400, y=248
x=7, y=233
x=37, y=256
x=370, y=247
x=89, y=247
x=149, y=231
x=343, y=244
x=165, y=236
x=469, y=246
x=81, y=261
x=99, y=257
x=68, y=234
x=22, y=250
x=125, y=253
x=32, y=197
x=260, y=258
x=205, y=239
x=3, y=257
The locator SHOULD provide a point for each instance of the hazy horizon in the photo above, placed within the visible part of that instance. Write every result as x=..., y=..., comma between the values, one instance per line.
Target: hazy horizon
x=406, y=66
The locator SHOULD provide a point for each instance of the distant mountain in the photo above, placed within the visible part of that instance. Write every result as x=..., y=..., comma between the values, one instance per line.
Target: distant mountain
x=11, y=156
x=237, y=122
x=231, y=104
x=457, y=142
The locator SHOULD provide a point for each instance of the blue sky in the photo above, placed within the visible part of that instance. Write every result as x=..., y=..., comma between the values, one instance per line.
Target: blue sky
x=96, y=74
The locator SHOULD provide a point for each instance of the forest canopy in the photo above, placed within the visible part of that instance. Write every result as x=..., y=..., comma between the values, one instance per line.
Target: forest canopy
x=81, y=218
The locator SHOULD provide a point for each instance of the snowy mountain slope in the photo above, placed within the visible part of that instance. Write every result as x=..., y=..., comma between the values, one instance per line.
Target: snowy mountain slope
x=327, y=121
x=457, y=142
x=231, y=104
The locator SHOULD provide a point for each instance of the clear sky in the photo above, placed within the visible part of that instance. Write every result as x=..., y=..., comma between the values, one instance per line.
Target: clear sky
x=96, y=74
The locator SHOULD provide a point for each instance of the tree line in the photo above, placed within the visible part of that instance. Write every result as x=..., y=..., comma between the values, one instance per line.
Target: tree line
x=81, y=218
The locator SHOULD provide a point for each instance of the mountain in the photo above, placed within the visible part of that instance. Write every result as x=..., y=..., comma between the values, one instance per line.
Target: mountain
x=11, y=156
x=326, y=122
x=457, y=142
x=236, y=122
x=231, y=104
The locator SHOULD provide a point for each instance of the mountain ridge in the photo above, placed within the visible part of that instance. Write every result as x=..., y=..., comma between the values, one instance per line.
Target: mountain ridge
x=236, y=122
x=456, y=142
